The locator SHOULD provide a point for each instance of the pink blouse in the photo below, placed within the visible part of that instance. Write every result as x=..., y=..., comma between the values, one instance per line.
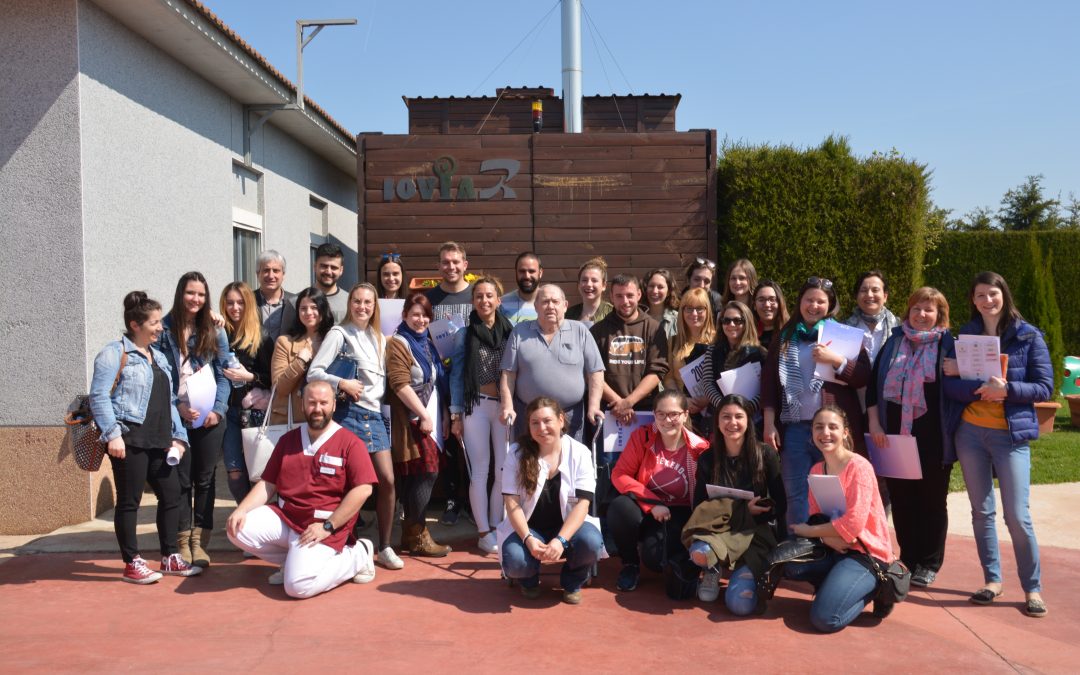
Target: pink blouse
x=865, y=517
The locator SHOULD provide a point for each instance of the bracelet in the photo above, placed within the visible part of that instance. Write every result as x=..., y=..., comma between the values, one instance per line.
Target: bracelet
x=526, y=539
x=562, y=540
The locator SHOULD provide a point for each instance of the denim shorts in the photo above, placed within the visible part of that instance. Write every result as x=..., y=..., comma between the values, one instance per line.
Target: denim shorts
x=366, y=424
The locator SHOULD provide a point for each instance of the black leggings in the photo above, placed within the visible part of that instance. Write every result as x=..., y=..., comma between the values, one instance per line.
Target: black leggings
x=196, y=471
x=415, y=493
x=921, y=516
x=630, y=526
x=141, y=466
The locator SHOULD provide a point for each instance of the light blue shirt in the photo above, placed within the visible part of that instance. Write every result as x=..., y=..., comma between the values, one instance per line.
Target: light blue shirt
x=516, y=309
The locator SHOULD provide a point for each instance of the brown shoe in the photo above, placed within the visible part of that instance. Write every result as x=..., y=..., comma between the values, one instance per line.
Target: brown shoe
x=427, y=547
x=200, y=539
x=410, y=535
x=183, y=545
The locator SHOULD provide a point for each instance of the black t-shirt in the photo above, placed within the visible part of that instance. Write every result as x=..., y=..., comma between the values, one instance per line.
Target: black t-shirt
x=155, y=432
x=547, y=516
x=444, y=305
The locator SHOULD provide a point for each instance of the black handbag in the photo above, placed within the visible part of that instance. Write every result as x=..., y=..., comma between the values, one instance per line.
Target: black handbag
x=894, y=579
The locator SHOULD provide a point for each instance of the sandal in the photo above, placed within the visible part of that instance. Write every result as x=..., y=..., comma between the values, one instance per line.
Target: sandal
x=1035, y=607
x=984, y=596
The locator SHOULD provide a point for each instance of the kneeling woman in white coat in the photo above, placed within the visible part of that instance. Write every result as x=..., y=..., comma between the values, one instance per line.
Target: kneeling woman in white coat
x=548, y=483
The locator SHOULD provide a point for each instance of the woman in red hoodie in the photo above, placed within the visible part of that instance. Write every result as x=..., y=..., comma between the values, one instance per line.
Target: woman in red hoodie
x=655, y=478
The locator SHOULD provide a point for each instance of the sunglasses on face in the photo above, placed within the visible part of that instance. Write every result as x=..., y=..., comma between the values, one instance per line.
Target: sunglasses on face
x=733, y=320
x=392, y=257
x=706, y=262
x=819, y=282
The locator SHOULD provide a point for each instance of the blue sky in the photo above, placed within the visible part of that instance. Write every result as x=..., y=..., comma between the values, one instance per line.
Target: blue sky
x=984, y=93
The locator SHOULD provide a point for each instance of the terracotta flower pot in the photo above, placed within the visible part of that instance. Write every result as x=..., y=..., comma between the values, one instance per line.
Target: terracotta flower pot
x=1046, y=412
x=1074, y=409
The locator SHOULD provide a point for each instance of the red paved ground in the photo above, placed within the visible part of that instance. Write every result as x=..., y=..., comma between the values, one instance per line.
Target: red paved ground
x=70, y=612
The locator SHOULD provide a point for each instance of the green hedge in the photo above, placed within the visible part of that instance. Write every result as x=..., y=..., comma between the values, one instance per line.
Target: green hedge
x=1042, y=268
x=799, y=212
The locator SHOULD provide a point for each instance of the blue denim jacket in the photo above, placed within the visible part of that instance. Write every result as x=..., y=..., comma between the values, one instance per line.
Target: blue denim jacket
x=167, y=344
x=128, y=403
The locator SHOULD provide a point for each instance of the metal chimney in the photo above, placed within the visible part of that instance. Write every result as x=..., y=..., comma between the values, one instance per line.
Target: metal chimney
x=571, y=66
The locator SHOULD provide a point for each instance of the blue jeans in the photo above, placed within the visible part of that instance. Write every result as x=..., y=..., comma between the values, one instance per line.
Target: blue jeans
x=741, y=594
x=844, y=586
x=366, y=424
x=981, y=452
x=518, y=563
x=232, y=445
x=798, y=455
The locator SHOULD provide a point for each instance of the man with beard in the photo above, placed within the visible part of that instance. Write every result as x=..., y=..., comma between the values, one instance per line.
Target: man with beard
x=329, y=265
x=634, y=350
x=518, y=306
x=322, y=475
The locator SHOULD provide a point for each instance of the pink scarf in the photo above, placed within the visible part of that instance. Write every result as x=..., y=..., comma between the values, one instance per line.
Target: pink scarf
x=915, y=364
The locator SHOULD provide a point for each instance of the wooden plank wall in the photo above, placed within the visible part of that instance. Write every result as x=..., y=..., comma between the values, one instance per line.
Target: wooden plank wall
x=514, y=115
x=641, y=200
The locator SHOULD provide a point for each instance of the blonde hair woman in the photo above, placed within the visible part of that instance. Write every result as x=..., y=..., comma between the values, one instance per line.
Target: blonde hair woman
x=696, y=332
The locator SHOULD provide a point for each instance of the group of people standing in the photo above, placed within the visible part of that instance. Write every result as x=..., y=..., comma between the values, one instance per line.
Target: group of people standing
x=527, y=383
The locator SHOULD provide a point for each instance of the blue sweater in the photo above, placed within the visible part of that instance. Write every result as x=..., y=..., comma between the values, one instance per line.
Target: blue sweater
x=1030, y=376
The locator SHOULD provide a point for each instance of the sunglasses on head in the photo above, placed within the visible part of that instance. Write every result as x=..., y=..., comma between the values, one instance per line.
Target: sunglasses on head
x=820, y=282
x=706, y=262
x=733, y=320
x=392, y=257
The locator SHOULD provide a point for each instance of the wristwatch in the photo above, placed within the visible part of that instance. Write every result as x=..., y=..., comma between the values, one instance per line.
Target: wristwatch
x=454, y=417
x=565, y=544
x=328, y=526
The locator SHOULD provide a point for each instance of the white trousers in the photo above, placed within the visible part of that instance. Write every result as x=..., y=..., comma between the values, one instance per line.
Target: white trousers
x=484, y=431
x=309, y=570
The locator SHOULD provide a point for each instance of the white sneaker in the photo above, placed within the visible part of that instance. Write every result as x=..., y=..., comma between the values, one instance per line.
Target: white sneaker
x=367, y=571
x=709, y=587
x=277, y=578
x=388, y=559
x=488, y=543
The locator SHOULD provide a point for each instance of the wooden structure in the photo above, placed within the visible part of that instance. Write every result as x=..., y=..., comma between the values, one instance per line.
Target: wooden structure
x=640, y=199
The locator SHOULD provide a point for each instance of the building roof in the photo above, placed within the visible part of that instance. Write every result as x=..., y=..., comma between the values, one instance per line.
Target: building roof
x=188, y=31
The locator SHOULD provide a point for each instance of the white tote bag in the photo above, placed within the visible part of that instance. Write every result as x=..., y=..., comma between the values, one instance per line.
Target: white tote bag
x=259, y=441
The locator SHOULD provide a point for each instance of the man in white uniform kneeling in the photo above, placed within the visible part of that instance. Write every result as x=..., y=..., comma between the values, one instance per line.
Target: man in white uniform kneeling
x=323, y=475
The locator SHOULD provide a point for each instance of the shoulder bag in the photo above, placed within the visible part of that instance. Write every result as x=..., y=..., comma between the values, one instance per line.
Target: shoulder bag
x=86, y=441
x=259, y=442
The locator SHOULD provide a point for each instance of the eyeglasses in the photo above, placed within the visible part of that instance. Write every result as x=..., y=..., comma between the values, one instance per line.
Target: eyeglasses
x=669, y=416
x=820, y=282
x=767, y=301
x=392, y=257
x=736, y=320
x=695, y=310
x=706, y=262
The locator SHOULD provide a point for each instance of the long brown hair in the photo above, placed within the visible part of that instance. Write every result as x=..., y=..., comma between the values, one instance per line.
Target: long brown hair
x=205, y=331
x=528, y=473
x=750, y=454
x=1008, y=305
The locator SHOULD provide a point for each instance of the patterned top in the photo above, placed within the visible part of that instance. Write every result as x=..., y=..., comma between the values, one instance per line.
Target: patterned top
x=487, y=368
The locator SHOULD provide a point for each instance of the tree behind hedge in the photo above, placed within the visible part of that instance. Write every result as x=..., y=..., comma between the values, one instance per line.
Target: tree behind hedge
x=799, y=212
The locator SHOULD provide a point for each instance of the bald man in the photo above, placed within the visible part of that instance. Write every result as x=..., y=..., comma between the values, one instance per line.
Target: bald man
x=552, y=356
x=322, y=475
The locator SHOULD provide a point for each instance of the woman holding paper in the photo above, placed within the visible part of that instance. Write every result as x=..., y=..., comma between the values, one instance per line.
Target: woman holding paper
x=998, y=423
x=695, y=333
x=414, y=374
x=843, y=582
x=770, y=310
x=294, y=352
x=792, y=390
x=655, y=477
x=250, y=377
x=198, y=353
x=131, y=399
x=474, y=403
x=737, y=461
x=905, y=398
x=736, y=346
x=359, y=409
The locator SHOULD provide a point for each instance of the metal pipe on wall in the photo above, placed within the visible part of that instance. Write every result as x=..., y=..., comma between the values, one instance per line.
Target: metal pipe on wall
x=571, y=65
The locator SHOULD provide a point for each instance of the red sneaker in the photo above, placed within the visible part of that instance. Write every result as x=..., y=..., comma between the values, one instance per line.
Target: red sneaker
x=137, y=572
x=175, y=565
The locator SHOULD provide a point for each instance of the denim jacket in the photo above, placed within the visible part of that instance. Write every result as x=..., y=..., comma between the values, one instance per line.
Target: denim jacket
x=167, y=344
x=128, y=403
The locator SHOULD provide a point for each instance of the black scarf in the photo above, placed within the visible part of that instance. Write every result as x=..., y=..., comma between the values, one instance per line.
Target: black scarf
x=478, y=333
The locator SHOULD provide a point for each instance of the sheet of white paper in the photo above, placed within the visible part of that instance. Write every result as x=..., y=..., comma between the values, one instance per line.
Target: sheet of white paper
x=201, y=392
x=829, y=494
x=978, y=357
x=899, y=460
x=616, y=434
x=845, y=340
x=744, y=381
x=442, y=332
x=715, y=491
x=693, y=375
x=390, y=315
